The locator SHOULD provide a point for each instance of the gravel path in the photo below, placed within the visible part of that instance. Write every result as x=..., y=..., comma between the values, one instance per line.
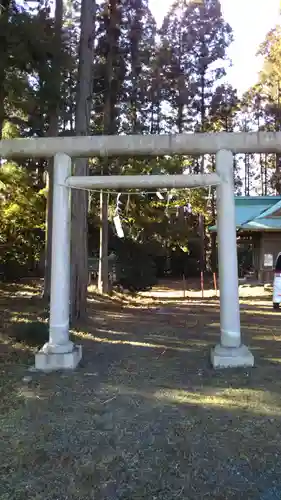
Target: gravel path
x=145, y=416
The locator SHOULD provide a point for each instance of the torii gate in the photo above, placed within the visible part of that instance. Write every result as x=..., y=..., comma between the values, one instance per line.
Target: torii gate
x=59, y=352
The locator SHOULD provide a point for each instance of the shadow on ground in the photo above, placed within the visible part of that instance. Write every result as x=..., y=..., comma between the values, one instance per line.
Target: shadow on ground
x=145, y=416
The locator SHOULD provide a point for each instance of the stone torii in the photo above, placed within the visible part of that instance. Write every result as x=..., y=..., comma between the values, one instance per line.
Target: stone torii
x=59, y=352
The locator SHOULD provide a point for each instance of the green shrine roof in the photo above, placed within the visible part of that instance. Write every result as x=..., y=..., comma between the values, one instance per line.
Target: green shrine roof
x=257, y=213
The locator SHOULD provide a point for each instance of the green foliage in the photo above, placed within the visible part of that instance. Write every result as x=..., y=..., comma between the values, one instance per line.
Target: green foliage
x=21, y=219
x=135, y=268
x=261, y=110
x=29, y=94
x=194, y=39
x=165, y=80
x=25, y=71
x=34, y=333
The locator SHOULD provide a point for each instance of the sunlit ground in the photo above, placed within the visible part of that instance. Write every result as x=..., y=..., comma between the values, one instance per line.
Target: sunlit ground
x=145, y=416
x=192, y=289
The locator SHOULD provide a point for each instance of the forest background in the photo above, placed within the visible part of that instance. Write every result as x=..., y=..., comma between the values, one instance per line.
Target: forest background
x=106, y=67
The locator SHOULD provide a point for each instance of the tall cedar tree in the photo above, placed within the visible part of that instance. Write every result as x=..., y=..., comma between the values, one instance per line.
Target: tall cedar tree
x=79, y=240
x=111, y=18
x=195, y=37
x=53, y=131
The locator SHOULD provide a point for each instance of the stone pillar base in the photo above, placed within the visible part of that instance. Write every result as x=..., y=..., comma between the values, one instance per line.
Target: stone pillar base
x=231, y=357
x=51, y=361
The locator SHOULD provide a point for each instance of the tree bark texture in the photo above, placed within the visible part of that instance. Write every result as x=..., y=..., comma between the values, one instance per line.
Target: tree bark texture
x=108, y=128
x=53, y=132
x=4, y=21
x=79, y=237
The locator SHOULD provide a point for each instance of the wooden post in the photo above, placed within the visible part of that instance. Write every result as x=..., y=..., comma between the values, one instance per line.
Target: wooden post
x=215, y=283
x=183, y=285
x=202, y=283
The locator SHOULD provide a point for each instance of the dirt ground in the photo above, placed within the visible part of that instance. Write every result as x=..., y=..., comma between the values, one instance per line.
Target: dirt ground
x=144, y=416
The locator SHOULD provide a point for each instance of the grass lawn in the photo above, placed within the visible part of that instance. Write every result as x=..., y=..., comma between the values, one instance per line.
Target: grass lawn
x=144, y=416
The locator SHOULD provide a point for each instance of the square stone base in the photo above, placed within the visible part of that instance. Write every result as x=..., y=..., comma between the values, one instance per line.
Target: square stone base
x=58, y=361
x=231, y=357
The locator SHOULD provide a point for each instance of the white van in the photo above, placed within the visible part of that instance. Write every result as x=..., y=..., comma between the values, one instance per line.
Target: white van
x=277, y=283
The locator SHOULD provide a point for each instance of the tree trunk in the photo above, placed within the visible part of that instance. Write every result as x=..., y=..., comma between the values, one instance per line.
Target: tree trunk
x=108, y=128
x=103, y=285
x=201, y=224
x=79, y=237
x=213, y=234
x=53, y=132
x=265, y=175
x=278, y=156
x=202, y=166
x=262, y=176
x=135, y=34
x=4, y=21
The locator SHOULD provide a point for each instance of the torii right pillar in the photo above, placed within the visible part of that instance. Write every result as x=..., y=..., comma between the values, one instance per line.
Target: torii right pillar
x=230, y=352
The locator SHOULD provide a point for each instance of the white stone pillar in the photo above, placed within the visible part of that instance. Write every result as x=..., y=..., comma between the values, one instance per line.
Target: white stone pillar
x=230, y=352
x=60, y=352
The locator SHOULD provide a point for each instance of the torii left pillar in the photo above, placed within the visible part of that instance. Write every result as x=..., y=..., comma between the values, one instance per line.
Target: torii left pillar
x=59, y=352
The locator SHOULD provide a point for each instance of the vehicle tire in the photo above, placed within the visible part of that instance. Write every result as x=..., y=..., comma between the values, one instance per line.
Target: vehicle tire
x=276, y=305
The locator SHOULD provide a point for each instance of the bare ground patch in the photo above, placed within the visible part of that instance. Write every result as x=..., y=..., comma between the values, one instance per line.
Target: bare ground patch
x=145, y=416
